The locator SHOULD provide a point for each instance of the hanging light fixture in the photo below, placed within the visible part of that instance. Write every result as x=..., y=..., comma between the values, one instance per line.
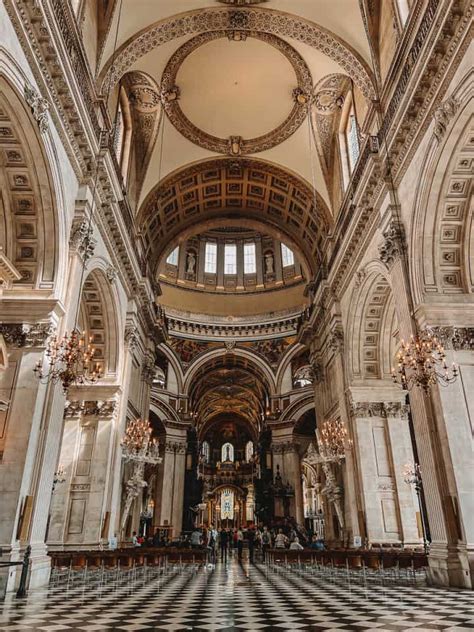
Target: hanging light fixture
x=421, y=361
x=137, y=445
x=69, y=358
x=70, y=361
x=334, y=439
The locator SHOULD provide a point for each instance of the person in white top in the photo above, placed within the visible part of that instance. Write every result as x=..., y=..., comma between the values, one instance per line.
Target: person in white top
x=295, y=545
x=280, y=540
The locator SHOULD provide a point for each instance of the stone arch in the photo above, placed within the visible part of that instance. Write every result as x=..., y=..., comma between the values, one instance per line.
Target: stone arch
x=292, y=352
x=173, y=359
x=298, y=408
x=99, y=318
x=163, y=411
x=371, y=327
x=30, y=229
x=242, y=356
x=442, y=232
x=250, y=192
x=255, y=19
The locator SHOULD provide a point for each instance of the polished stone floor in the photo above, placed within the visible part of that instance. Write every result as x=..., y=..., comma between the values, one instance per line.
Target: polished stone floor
x=240, y=597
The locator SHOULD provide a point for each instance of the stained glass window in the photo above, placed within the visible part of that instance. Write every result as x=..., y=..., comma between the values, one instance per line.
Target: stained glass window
x=227, y=452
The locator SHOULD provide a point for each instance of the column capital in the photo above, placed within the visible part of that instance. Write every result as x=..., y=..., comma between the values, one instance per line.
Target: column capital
x=90, y=408
x=26, y=335
x=81, y=239
x=391, y=249
x=456, y=338
x=379, y=409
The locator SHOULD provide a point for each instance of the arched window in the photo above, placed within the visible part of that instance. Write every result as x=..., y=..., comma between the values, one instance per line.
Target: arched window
x=227, y=452
x=205, y=451
x=123, y=133
x=348, y=139
x=249, y=451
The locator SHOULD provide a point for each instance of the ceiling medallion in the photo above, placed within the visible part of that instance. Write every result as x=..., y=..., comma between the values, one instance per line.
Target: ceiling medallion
x=236, y=145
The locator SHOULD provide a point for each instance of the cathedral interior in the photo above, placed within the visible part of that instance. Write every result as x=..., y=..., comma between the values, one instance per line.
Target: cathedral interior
x=236, y=298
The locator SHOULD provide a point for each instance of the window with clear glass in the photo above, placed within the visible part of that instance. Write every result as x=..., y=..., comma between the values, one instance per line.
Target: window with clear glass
x=287, y=256
x=210, y=258
x=230, y=259
x=119, y=133
x=250, y=262
x=227, y=452
x=206, y=451
x=173, y=257
x=352, y=141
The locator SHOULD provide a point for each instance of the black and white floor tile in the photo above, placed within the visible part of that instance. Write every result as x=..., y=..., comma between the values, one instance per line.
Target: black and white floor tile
x=240, y=597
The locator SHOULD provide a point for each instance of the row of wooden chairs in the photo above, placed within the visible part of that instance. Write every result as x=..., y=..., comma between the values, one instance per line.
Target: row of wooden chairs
x=365, y=566
x=95, y=567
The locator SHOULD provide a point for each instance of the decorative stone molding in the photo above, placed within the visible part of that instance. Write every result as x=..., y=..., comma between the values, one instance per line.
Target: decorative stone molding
x=111, y=274
x=90, y=408
x=283, y=447
x=39, y=107
x=336, y=339
x=8, y=273
x=149, y=370
x=456, y=338
x=236, y=145
x=242, y=3
x=187, y=326
x=131, y=336
x=26, y=335
x=380, y=409
x=254, y=19
x=443, y=115
x=81, y=238
x=360, y=277
x=391, y=248
x=175, y=447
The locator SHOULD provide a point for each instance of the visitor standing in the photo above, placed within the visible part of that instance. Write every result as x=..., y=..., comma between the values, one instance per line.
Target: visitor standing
x=223, y=544
x=251, y=541
x=240, y=543
x=281, y=540
x=266, y=542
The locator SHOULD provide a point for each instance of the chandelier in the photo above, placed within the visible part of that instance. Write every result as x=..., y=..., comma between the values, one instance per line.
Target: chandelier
x=334, y=439
x=70, y=361
x=137, y=445
x=421, y=362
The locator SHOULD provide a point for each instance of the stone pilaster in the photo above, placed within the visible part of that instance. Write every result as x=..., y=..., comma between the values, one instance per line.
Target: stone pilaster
x=170, y=483
x=448, y=566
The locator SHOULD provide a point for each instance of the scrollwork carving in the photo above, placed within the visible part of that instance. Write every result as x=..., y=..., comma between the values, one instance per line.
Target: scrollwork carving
x=39, y=107
x=392, y=246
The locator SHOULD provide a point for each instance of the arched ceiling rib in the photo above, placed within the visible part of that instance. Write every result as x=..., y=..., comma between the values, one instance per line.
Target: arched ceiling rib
x=226, y=190
x=289, y=25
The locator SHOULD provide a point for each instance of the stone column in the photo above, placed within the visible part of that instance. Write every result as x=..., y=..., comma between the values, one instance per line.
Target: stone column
x=170, y=482
x=22, y=402
x=447, y=566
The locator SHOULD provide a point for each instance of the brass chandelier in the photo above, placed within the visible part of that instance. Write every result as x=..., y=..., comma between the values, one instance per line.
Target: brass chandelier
x=137, y=445
x=421, y=362
x=70, y=361
x=334, y=439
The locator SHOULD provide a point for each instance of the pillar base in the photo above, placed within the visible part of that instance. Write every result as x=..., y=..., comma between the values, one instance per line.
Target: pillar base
x=449, y=567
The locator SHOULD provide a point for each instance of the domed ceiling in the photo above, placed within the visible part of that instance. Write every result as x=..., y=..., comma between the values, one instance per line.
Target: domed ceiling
x=243, y=87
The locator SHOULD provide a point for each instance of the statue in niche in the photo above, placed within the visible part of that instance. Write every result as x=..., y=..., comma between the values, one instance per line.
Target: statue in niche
x=191, y=263
x=269, y=267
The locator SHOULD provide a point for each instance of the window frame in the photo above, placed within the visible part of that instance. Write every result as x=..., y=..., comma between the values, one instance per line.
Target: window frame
x=211, y=245
x=284, y=256
x=253, y=246
x=230, y=246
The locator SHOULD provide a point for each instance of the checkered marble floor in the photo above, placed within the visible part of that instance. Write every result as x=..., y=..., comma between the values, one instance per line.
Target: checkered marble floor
x=241, y=597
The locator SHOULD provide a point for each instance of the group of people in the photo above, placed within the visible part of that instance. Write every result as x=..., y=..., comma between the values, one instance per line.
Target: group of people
x=225, y=541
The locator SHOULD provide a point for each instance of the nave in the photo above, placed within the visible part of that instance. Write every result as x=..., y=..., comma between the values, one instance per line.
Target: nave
x=240, y=596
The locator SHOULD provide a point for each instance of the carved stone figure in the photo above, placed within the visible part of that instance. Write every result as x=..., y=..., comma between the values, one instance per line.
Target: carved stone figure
x=191, y=263
x=269, y=266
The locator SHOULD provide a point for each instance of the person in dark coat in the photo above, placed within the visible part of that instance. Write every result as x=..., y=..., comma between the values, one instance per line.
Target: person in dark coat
x=223, y=543
x=251, y=542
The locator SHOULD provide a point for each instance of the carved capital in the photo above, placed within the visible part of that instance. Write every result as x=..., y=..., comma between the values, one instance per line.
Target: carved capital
x=26, y=335
x=175, y=447
x=380, y=409
x=90, y=408
x=39, y=107
x=149, y=370
x=391, y=248
x=456, y=338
